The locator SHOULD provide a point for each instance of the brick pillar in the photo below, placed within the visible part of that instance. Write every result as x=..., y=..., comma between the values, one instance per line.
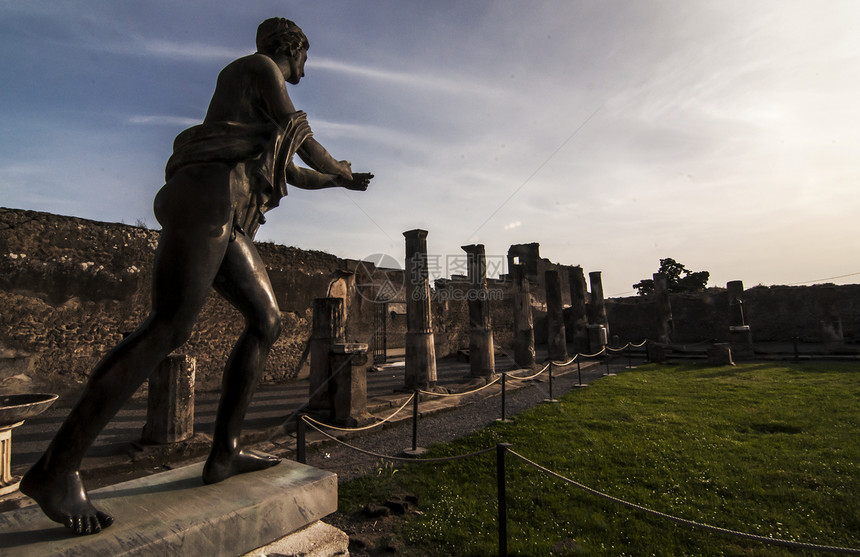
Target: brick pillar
x=524, y=332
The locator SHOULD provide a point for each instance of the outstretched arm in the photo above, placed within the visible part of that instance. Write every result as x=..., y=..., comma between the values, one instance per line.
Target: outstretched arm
x=308, y=179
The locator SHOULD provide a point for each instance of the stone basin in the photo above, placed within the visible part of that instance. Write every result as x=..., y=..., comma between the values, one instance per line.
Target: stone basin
x=16, y=408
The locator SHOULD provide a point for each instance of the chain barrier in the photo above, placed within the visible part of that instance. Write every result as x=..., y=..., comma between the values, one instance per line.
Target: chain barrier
x=398, y=458
x=707, y=527
x=365, y=428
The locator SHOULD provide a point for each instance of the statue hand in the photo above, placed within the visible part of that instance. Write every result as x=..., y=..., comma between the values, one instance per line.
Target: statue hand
x=344, y=170
x=359, y=182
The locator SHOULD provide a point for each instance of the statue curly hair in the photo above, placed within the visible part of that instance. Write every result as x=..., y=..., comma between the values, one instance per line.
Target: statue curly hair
x=279, y=35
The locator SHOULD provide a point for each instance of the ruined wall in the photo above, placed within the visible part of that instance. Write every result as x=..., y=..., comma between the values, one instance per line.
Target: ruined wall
x=774, y=313
x=70, y=289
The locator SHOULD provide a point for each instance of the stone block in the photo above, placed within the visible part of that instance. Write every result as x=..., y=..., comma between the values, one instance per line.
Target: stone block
x=349, y=384
x=174, y=513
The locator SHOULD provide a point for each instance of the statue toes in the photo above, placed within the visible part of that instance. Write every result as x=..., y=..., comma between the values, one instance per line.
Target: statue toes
x=104, y=519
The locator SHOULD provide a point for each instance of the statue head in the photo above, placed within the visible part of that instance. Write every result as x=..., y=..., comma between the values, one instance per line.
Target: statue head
x=279, y=35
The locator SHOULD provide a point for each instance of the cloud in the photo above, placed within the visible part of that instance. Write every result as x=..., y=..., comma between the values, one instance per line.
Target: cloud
x=189, y=51
x=512, y=225
x=425, y=79
x=162, y=120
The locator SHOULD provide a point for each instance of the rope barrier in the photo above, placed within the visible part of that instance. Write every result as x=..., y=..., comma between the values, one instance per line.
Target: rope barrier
x=371, y=426
x=530, y=377
x=708, y=527
x=643, y=343
x=402, y=459
x=490, y=384
x=567, y=363
x=596, y=354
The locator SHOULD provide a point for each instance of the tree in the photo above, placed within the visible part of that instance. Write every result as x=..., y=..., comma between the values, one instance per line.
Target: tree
x=678, y=279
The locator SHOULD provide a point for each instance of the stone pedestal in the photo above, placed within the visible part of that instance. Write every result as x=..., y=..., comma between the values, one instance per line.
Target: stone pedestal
x=524, y=332
x=597, y=306
x=420, y=347
x=174, y=513
x=170, y=402
x=579, y=316
x=8, y=482
x=720, y=354
x=662, y=309
x=328, y=329
x=596, y=338
x=740, y=335
x=482, y=359
x=831, y=322
x=349, y=382
x=656, y=352
x=556, y=336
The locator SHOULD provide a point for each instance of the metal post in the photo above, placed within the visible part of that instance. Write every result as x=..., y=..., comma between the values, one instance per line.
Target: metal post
x=647, y=351
x=550, y=380
x=796, y=350
x=629, y=357
x=300, y=440
x=415, y=399
x=579, y=369
x=550, y=399
x=504, y=383
x=501, y=449
x=606, y=352
x=415, y=451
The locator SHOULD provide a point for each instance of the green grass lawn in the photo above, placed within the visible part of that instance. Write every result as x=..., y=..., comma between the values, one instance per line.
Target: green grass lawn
x=767, y=449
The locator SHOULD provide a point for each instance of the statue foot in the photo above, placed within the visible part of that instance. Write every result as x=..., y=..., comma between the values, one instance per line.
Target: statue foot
x=221, y=465
x=64, y=499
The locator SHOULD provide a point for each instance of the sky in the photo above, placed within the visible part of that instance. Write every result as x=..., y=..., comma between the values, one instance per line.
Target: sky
x=724, y=135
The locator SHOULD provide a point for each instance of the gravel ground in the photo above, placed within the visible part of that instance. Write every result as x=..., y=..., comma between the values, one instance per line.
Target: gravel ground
x=443, y=426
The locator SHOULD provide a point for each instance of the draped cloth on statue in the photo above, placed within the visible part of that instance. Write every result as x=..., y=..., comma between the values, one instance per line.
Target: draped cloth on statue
x=266, y=150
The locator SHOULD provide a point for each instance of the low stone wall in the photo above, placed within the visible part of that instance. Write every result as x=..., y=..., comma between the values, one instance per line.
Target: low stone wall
x=774, y=313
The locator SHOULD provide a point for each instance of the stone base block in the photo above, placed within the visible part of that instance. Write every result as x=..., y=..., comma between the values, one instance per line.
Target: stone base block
x=174, y=513
x=720, y=355
x=317, y=540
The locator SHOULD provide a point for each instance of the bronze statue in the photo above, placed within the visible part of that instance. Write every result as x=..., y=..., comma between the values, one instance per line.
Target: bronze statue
x=222, y=177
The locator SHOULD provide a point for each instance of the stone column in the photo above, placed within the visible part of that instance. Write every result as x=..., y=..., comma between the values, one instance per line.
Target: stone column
x=170, y=401
x=555, y=334
x=579, y=317
x=349, y=382
x=481, y=357
x=663, y=309
x=598, y=327
x=420, y=348
x=739, y=332
x=328, y=329
x=598, y=306
x=524, y=332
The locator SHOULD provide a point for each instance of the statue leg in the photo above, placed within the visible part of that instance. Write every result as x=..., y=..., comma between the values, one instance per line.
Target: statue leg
x=187, y=261
x=243, y=281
